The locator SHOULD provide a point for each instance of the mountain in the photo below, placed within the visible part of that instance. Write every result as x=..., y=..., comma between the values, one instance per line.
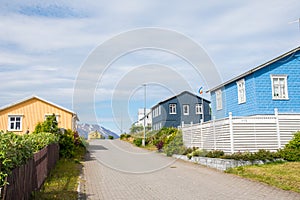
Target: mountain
x=84, y=130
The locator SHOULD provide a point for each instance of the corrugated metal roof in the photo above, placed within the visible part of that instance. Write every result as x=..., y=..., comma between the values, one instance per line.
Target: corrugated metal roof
x=180, y=95
x=35, y=97
x=255, y=69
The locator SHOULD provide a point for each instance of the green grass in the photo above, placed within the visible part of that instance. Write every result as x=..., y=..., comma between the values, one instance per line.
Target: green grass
x=282, y=175
x=62, y=182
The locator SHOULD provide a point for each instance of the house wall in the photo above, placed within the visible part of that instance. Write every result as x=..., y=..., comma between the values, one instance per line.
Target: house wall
x=175, y=120
x=258, y=87
x=33, y=111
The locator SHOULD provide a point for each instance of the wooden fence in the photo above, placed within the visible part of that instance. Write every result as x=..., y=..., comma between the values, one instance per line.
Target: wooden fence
x=30, y=176
x=239, y=134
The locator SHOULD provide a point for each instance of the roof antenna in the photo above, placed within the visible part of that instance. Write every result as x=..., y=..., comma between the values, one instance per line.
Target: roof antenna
x=296, y=21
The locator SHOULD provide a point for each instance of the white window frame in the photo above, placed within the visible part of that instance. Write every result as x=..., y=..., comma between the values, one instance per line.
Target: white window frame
x=282, y=87
x=14, y=122
x=241, y=89
x=156, y=111
x=198, y=109
x=159, y=110
x=172, y=108
x=219, y=99
x=56, y=116
x=186, y=109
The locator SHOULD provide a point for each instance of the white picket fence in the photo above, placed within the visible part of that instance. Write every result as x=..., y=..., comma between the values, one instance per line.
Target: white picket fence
x=239, y=134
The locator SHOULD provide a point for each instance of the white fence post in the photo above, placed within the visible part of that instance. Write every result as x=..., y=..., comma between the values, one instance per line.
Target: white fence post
x=191, y=128
x=231, y=132
x=201, y=136
x=214, y=132
x=277, y=128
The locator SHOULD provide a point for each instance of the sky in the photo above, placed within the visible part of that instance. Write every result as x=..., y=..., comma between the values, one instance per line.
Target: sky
x=95, y=57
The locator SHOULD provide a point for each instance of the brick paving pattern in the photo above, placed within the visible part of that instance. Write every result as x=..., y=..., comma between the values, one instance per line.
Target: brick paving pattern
x=115, y=170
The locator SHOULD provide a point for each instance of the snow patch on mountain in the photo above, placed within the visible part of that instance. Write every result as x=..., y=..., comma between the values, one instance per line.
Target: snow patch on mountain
x=84, y=130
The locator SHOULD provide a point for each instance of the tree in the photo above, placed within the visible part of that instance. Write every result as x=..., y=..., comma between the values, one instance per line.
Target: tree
x=136, y=128
x=50, y=125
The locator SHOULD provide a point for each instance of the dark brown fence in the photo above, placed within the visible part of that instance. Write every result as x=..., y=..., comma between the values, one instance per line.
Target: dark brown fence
x=30, y=176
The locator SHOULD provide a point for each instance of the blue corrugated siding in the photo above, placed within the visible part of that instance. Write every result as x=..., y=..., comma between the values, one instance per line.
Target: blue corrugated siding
x=259, y=91
x=266, y=103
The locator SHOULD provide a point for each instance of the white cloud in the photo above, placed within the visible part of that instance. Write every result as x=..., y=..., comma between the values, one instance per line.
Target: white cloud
x=41, y=53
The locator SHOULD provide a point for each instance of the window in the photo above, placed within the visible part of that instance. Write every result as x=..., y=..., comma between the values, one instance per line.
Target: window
x=241, y=91
x=186, y=109
x=157, y=126
x=198, y=109
x=15, y=123
x=156, y=111
x=219, y=99
x=48, y=115
x=279, y=87
x=159, y=110
x=172, y=108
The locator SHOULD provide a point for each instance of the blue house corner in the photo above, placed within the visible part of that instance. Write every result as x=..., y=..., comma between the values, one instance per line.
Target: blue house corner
x=274, y=84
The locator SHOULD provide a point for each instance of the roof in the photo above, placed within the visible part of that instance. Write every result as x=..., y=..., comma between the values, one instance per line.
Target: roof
x=256, y=68
x=35, y=97
x=184, y=92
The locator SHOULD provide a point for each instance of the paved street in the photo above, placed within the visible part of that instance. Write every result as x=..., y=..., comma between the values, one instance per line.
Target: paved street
x=117, y=170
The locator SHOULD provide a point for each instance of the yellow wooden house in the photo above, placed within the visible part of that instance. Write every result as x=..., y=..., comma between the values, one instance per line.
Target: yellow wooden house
x=22, y=116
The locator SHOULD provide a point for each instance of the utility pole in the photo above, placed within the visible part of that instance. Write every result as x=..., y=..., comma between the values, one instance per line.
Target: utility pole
x=144, y=139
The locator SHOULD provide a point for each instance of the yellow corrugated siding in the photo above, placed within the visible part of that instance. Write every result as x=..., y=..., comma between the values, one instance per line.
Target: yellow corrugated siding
x=34, y=111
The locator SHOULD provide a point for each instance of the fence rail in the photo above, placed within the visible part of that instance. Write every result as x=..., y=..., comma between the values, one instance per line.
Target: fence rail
x=239, y=134
x=30, y=176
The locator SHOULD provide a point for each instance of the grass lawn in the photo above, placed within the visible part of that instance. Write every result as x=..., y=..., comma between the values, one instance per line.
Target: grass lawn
x=282, y=175
x=62, y=182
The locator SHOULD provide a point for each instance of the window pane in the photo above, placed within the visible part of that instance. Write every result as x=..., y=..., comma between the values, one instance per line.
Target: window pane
x=280, y=87
x=18, y=125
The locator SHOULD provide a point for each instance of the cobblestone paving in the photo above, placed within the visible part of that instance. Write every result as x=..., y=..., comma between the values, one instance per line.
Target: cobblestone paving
x=117, y=170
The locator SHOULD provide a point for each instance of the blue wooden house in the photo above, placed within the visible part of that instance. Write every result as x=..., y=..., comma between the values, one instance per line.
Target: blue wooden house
x=274, y=84
x=183, y=108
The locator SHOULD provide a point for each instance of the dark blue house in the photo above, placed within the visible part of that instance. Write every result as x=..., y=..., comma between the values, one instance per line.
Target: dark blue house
x=274, y=84
x=183, y=108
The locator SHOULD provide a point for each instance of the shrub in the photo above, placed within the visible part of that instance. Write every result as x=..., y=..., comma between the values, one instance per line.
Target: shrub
x=187, y=151
x=165, y=134
x=246, y=156
x=138, y=141
x=200, y=152
x=215, y=154
x=175, y=146
x=122, y=136
x=159, y=145
x=66, y=145
x=15, y=150
x=263, y=155
x=41, y=140
x=68, y=142
x=291, y=151
x=110, y=137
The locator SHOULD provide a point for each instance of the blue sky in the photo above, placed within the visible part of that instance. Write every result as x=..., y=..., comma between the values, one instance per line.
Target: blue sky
x=44, y=44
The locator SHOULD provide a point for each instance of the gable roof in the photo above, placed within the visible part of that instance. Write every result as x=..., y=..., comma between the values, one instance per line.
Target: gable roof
x=39, y=98
x=184, y=92
x=256, y=69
